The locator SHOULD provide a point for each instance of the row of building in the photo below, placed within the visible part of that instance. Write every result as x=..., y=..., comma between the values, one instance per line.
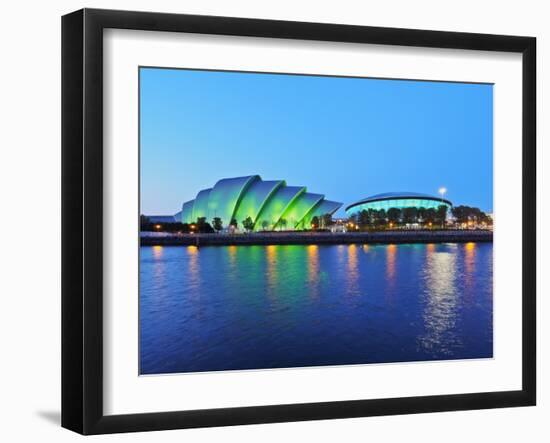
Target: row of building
x=272, y=204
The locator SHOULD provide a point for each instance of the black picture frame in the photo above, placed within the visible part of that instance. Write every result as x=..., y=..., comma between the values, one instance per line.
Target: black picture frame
x=82, y=215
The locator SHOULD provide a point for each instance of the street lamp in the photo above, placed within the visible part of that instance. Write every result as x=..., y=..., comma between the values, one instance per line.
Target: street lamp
x=442, y=192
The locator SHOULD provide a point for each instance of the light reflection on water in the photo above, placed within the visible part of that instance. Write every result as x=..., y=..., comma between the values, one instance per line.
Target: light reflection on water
x=313, y=270
x=469, y=263
x=352, y=270
x=242, y=307
x=441, y=295
x=271, y=271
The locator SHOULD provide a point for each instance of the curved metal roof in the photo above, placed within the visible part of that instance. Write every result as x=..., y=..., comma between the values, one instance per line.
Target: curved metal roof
x=301, y=207
x=397, y=196
x=250, y=196
x=322, y=208
x=255, y=198
x=226, y=195
x=200, y=207
x=274, y=209
x=187, y=212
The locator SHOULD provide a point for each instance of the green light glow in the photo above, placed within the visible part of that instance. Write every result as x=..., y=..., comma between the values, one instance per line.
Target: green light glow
x=274, y=209
x=255, y=198
x=200, y=208
x=300, y=207
x=322, y=208
x=225, y=196
x=267, y=203
x=187, y=212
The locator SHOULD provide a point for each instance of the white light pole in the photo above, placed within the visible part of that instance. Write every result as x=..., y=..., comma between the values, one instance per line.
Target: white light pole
x=442, y=192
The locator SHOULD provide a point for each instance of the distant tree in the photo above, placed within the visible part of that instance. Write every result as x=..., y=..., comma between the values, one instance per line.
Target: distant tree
x=430, y=215
x=203, y=226
x=459, y=214
x=234, y=223
x=441, y=215
x=465, y=214
x=484, y=218
x=394, y=215
x=479, y=215
x=217, y=223
x=145, y=224
x=265, y=225
x=380, y=218
x=282, y=223
x=373, y=216
x=315, y=222
x=326, y=220
x=410, y=215
x=363, y=218
x=421, y=214
x=248, y=224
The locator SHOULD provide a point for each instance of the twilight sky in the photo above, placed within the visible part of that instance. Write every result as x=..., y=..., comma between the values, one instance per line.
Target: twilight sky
x=346, y=138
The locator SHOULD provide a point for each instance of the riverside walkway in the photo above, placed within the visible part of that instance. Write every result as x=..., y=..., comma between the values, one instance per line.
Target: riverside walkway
x=319, y=238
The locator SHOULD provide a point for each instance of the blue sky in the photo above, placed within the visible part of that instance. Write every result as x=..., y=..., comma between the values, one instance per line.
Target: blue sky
x=347, y=138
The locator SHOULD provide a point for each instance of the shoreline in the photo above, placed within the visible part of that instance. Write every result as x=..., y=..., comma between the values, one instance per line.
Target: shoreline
x=317, y=238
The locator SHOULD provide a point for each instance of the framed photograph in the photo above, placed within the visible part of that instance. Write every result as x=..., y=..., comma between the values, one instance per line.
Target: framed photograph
x=269, y=221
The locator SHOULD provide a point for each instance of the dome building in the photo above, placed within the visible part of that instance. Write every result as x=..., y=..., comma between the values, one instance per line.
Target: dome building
x=398, y=200
x=270, y=204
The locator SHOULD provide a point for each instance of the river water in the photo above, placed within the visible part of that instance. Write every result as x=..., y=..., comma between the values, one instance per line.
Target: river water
x=256, y=307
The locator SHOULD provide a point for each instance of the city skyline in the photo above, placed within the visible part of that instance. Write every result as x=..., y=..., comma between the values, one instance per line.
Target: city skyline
x=346, y=138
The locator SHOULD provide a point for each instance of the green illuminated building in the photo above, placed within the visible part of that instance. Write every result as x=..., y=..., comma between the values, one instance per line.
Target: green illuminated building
x=269, y=204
